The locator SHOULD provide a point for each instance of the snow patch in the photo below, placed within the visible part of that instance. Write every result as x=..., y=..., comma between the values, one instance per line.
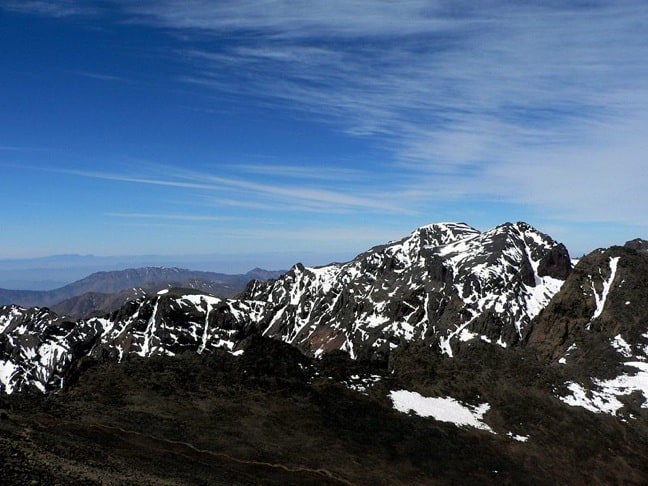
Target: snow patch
x=150, y=329
x=519, y=438
x=594, y=401
x=361, y=383
x=466, y=335
x=198, y=299
x=621, y=346
x=444, y=409
x=607, y=284
x=7, y=371
x=571, y=348
x=604, y=398
x=539, y=296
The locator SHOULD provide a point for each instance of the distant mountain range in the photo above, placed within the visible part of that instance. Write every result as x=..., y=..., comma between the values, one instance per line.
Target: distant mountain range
x=107, y=291
x=449, y=356
x=52, y=272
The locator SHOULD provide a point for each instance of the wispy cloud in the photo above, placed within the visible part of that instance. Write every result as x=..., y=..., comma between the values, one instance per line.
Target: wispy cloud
x=294, y=20
x=170, y=216
x=58, y=8
x=303, y=172
x=365, y=235
x=18, y=148
x=99, y=76
x=479, y=99
x=298, y=196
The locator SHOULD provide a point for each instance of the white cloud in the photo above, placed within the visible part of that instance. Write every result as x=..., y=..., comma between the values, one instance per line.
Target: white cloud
x=299, y=196
x=504, y=100
x=303, y=172
x=601, y=181
x=170, y=216
x=99, y=76
x=289, y=19
x=59, y=8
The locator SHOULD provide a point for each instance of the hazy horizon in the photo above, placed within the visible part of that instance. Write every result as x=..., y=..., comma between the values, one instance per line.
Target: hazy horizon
x=53, y=271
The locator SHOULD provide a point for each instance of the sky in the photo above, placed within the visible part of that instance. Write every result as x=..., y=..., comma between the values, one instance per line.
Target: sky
x=279, y=131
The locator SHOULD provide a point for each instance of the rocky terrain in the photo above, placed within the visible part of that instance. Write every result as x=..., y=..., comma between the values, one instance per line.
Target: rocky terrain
x=450, y=356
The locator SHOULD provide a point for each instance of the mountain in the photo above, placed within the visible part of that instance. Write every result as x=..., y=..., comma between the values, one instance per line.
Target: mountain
x=446, y=283
x=97, y=303
x=131, y=282
x=449, y=356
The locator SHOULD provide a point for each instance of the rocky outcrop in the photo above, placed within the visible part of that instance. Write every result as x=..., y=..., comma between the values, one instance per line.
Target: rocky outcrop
x=638, y=244
x=599, y=315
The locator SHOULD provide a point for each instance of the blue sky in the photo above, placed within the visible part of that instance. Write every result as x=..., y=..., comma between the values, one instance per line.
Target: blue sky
x=310, y=131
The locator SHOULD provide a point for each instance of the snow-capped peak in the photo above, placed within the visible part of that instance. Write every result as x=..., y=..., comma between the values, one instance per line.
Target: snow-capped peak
x=491, y=283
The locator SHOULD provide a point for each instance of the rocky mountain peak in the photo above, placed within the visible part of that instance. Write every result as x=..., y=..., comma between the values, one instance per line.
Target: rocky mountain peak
x=603, y=297
x=438, y=234
x=638, y=244
x=445, y=282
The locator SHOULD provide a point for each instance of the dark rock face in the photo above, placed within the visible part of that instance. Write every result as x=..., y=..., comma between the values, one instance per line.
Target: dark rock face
x=638, y=244
x=606, y=294
x=556, y=263
x=594, y=333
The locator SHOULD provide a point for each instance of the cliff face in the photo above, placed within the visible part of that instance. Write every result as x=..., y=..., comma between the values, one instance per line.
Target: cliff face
x=604, y=300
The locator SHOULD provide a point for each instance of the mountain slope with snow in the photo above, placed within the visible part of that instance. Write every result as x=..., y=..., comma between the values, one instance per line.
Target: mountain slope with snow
x=596, y=327
x=38, y=348
x=444, y=282
x=449, y=356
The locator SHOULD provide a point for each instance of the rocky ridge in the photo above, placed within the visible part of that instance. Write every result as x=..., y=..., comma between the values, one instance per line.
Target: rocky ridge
x=596, y=327
x=444, y=284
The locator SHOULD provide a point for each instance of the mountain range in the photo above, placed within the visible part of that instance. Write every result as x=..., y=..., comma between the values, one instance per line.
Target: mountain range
x=107, y=291
x=451, y=355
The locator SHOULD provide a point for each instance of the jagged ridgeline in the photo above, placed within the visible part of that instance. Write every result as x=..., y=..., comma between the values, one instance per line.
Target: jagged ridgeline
x=445, y=285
